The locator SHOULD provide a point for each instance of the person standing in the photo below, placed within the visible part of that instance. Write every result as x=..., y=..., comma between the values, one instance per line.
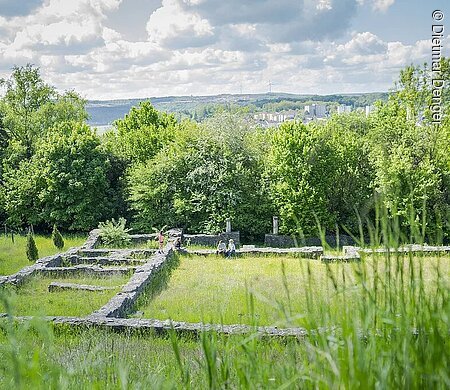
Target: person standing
x=161, y=240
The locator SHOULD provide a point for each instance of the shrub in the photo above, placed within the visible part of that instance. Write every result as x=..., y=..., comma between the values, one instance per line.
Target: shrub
x=114, y=233
x=57, y=238
x=32, y=250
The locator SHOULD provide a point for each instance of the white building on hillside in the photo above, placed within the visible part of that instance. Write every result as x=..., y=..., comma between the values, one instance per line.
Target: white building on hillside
x=315, y=110
x=343, y=109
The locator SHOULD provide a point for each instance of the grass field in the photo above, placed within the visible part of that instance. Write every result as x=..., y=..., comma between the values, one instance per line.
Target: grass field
x=95, y=359
x=281, y=291
x=33, y=298
x=382, y=323
x=13, y=256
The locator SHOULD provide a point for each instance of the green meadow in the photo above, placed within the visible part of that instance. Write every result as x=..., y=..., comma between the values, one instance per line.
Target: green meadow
x=13, y=256
x=34, y=299
x=281, y=290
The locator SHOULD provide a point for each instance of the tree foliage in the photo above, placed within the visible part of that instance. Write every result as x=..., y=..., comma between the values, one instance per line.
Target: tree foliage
x=157, y=171
x=30, y=106
x=201, y=178
x=65, y=182
x=142, y=133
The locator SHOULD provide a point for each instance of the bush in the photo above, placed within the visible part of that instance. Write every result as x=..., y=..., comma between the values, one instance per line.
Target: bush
x=57, y=238
x=114, y=234
x=32, y=250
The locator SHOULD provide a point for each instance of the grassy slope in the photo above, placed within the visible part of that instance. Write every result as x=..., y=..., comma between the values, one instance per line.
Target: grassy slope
x=213, y=289
x=62, y=303
x=13, y=256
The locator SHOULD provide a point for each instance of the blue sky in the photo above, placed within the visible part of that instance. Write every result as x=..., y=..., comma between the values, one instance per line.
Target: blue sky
x=109, y=49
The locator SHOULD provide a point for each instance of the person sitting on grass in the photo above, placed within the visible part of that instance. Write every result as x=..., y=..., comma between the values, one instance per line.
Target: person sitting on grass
x=231, y=248
x=221, y=248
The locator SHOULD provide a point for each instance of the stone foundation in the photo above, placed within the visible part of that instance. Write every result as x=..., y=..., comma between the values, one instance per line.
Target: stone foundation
x=110, y=316
x=58, y=286
x=280, y=241
x=311, y=252
x=121, y=304
x=211, y=239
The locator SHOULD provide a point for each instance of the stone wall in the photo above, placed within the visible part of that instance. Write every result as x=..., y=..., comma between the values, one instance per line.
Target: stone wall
x=211, y=239
x=85, y=269
x=311, y=252
x=25, y=273
x=280, y=241
x=60, y=286
x=111, y=315
x=142, y=326
x=122, y=303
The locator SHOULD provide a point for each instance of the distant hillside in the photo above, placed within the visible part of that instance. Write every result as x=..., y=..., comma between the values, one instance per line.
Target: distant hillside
x=105, y=112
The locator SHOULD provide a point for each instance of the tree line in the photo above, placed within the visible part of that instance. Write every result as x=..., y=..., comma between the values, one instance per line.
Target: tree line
x=347, y=173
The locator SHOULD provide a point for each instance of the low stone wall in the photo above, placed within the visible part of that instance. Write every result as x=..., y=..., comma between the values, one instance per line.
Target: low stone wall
x=105, y=261
x=353, y=253
x=59, y=286
x=413, y=248
x=211, y=239
x=25, y=273
x=121, y=304
x=94, y=239
x=163, y=327
x=339, y=259
x=85, y=269
x=311, y=252
x=116, y=253
x=281, y=241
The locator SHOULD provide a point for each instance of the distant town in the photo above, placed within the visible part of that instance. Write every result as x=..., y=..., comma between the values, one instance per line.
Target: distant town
x=309, y=113
x=268, y=110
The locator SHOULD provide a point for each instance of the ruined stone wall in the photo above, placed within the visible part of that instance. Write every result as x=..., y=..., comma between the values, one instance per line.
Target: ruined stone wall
x=211, y=239
x=281, y=241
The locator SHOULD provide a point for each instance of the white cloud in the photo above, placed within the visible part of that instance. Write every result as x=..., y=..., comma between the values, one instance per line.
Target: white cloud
x=171, y=22
x=206, y=47
x=382, y=5
x=378, y=5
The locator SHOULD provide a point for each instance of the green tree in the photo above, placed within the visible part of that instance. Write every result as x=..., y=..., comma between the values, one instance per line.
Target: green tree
x=57, y=238
x=300, y=170
x=141, y=133
x=412, y=170
x=204, y=176
x=31, y=249
x=350, y=197
x=64, y=183
x=25, y=93
x=30, y=106
x=411, y=155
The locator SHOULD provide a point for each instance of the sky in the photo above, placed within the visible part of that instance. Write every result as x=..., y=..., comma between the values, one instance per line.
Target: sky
x=118, y=49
